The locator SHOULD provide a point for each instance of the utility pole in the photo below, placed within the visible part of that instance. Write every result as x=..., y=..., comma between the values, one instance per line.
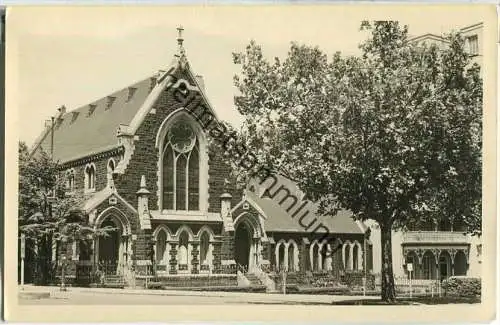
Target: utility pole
x=23, y=254
x=52, y=138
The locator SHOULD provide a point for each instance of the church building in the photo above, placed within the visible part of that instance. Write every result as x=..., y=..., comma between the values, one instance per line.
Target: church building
x=145, y=164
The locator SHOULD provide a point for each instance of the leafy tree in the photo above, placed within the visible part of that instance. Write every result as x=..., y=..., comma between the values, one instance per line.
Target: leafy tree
x=46, y=213
x=392, y=135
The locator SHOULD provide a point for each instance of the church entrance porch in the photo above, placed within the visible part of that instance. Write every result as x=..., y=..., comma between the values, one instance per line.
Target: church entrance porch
x=112, y=250
x=242, y=245
x=247, y=244
x=109, y=246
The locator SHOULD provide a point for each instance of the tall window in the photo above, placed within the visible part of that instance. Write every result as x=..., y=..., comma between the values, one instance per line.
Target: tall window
x=204, y=247
x=90, y=177
x=183, y=253
x=347, y=257
x=70, y=180
x=181, y=164
x=355, y=253
x=473, y=45
x=161, y=246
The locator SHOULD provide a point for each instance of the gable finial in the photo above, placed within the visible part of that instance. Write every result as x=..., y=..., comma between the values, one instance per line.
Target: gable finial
x=180, y=39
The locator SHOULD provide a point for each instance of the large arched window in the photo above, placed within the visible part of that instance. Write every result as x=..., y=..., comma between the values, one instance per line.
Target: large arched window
x=181, y=164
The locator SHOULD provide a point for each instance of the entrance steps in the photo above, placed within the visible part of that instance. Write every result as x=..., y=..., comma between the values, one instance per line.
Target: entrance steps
x=251, y=281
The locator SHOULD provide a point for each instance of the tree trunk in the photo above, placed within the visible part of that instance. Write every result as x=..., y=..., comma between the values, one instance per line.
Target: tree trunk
x=388, y=290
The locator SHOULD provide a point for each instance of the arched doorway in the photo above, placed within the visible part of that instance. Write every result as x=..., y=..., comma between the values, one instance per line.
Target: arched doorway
x=109, y=246
x=242, y=243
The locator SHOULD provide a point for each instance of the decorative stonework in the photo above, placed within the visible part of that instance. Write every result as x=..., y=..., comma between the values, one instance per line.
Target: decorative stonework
x=194, y=254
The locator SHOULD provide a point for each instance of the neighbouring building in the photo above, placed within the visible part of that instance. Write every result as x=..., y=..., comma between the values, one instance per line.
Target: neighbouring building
x=440, y=249
x=143, y=159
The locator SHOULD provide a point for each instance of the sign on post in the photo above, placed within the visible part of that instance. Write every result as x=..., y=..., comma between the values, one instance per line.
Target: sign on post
x=23, y=245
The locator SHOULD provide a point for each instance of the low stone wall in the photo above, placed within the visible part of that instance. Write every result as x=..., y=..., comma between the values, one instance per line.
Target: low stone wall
x=198, y=280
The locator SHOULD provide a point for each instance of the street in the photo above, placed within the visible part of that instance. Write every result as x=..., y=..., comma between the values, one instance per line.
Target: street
x=86, y=296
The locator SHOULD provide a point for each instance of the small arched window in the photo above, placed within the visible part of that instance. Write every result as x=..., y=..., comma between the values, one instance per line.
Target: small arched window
x=204, y=247
x=70, y=180
x=161, y=245
x=183, y=251
x=90, y=177
x=111, y=165
x=355, y=253
x=347, y=258
x=291, y=258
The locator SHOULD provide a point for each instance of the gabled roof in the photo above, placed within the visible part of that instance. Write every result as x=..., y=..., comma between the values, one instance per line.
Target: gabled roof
x=277, y=218
x=92, y=128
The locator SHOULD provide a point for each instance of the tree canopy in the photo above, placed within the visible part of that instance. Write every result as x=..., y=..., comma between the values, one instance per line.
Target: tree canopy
x=393, y=134
x=45, y=212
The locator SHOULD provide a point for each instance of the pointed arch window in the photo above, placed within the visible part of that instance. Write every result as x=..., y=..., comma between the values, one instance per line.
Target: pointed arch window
x=90, y=177
x=204, y=247
x=181, y=168
x=70, y=180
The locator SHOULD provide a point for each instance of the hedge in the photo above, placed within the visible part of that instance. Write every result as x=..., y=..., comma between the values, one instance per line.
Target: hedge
x=462, y=286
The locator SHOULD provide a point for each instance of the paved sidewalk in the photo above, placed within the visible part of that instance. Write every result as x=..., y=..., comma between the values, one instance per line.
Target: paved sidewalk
x=250, y=297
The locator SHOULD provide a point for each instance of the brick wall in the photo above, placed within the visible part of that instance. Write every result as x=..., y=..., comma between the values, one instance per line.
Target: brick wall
x=101, y=173
x=145, y=158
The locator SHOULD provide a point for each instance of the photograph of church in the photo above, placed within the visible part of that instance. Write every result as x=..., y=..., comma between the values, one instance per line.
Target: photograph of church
x=339, y=162
x=146, y=167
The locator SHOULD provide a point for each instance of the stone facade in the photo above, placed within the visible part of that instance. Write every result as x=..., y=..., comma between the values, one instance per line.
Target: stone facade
x=225, y=234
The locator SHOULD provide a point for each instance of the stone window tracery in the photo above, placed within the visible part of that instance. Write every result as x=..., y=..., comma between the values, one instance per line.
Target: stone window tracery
x=181, y=164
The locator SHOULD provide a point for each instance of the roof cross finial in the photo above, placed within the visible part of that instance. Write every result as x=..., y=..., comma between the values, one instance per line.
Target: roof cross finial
x=180, y=40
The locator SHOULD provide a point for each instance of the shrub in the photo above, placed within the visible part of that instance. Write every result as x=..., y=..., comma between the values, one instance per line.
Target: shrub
x=462, y=286
x=355, y=279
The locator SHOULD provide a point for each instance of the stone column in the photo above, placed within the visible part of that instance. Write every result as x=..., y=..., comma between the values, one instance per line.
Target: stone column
x=304, y=251
x=452, y=252
x=285, y=258
x=173, y=258
x=217, y=256
x=194, y=257
x=227, y=252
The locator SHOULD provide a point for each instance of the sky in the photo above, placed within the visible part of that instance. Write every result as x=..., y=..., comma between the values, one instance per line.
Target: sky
x=74, y=55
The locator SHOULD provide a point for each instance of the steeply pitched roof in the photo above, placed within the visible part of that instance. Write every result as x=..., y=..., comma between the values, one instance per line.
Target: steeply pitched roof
x=92, y=128
x=280, y=220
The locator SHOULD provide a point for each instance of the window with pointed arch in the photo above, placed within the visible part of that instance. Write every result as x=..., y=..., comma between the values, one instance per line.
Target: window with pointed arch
x=70, y=180
x=181, y=168
x=204, y=249
x=161, y=248
x=347, y=257
x=183, y=253
x=355, y=253
x=90, y=177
